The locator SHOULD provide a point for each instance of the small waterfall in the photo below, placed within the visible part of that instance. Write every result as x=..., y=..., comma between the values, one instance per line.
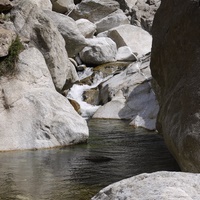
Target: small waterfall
x=76, y=92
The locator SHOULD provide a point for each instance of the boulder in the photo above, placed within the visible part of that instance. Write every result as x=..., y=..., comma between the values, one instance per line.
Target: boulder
x=5, y=5
x=100, y=50
x=158, y=185
x=94, y=10
x=125, y=54
x=74, y=40
x=43, y=4
x=112, y=20
x=175, y=67
x=32, y=23
x=6, y=39
x=62, y=6
x=128, y=35
x=126, y=4
x=129, y=95
x=33, y=115
x=86, y=27
x=142, y=13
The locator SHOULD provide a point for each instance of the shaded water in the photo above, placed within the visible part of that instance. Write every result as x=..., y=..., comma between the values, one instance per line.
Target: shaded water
x=65, y=174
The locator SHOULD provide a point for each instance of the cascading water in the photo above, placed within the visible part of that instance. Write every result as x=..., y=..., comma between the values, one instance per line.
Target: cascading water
x=76, y=92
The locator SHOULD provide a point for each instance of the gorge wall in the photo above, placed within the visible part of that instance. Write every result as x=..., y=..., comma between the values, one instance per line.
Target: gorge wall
x=175, y=67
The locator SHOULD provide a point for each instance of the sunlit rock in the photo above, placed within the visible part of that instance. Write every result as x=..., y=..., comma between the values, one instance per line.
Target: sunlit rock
x=158, y=185
x=33, y=115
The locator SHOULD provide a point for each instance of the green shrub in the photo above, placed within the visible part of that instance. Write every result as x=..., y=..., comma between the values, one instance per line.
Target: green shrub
x=8, y=63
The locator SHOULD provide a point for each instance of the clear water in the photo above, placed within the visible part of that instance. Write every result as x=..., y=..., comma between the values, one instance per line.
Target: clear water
x=65, y=174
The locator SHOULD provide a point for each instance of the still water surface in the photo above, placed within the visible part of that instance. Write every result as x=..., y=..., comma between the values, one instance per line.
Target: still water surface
x=65, y=174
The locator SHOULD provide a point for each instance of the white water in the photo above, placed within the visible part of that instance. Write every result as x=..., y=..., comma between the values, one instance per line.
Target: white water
x=76, y=92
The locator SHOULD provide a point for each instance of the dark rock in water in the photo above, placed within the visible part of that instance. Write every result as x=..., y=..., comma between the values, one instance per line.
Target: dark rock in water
x=97, y=158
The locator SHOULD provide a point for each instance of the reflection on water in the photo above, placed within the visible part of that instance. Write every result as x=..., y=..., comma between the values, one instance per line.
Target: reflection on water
x=65, y=174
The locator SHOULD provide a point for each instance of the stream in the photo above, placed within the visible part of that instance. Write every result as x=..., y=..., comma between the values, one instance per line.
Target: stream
x=66, y=174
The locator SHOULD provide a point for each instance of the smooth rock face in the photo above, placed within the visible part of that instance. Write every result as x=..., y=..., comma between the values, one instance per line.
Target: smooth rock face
x=94, y=10
x=86, y=27
x=128, y=35
x=158, y=185
x=33, y=115
x=125, y=54
x=62, y=6
x=175, y=67
x=129, y=95
x=31, y=22
x=74, y=40
x=101, y=50
x=6, y=38
x=112, y=20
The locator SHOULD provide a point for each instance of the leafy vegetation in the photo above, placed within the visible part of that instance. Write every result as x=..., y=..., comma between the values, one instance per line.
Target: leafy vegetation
x=8, y=63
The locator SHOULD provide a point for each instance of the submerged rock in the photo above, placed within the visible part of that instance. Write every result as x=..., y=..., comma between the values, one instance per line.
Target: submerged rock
x=158, y=185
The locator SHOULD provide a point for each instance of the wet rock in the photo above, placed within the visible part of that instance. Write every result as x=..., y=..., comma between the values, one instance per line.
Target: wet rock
x=91, y=96
x=76, y=105
x=125, y=54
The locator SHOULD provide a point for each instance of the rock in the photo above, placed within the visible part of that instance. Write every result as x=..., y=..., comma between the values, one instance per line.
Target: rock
x=175, y=67
x=125, y=54
x=158, y=185
x=33, y=115
x=74, y=40
x=91, y=96
x=32, y=23
x=5, y=5
x=86, y=27
x=62, y=6
x=126, y=4
x=111, y=109
x=75, y=105
x=143, y=12
x=129, y=95
x=94, y=10
x=43, y=4
x=128, y=35
x=101, y=50
x=112, y=20
x=6, y=39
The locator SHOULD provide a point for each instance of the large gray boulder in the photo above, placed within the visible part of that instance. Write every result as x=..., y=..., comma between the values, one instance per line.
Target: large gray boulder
x=100, y=50
x=74, y=39
x=32, y=23
x=128, y=35
x=94, y=10
x=33, y=115
x=175, y=66
x=129, y=95
x=158, y=185
x=112, y=20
